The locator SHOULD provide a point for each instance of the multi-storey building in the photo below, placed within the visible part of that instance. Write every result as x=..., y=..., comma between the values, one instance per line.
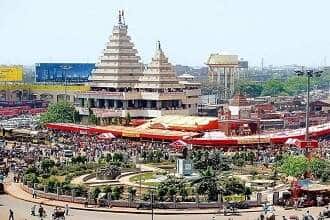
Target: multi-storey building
x=121, y=84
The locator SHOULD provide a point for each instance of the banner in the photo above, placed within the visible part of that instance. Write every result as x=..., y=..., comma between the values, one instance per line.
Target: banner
x=11, y=73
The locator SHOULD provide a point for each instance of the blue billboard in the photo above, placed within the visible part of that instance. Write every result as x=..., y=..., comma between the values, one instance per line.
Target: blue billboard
x=63, y=72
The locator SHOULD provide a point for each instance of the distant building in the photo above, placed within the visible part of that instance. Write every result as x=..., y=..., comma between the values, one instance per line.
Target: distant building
x=224, y=70
x=243, y=67
x=239, y=107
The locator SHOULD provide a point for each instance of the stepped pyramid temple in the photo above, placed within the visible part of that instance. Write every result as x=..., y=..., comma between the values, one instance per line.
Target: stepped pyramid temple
x=121, y=84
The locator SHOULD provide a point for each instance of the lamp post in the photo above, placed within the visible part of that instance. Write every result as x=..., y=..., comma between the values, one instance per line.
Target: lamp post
x=309, y=74
x=152, y=205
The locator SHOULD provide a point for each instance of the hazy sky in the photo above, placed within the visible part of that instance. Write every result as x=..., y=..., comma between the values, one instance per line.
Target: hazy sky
x=281, y=31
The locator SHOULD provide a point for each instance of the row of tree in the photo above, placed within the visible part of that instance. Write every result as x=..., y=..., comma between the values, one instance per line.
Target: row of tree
x=292, y=85
x=298, y=166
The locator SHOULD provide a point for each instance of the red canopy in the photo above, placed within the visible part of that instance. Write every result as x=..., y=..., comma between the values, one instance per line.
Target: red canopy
x=307, y=144
x=301, y=143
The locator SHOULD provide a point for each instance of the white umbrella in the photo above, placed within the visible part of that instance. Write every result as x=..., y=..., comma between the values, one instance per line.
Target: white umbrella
x=106, y=136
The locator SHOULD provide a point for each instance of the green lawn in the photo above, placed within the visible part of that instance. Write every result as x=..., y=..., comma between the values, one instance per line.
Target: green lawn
x=144, y=177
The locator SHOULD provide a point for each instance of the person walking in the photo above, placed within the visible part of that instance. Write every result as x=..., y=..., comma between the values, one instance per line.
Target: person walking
x=66, y=209
x=11, y=214
x=41, y=211
x=33, y=210
x=34, y=195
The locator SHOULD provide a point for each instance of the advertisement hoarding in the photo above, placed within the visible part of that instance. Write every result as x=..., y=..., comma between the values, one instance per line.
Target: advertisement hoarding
x=11, y=73
x=63, y=72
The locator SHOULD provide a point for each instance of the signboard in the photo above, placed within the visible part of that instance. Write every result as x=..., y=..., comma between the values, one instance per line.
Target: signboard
x=183, y=167
x=11, y=73
x=63, y=72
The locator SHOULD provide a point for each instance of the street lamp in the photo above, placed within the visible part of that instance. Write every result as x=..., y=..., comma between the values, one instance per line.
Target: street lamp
x=152, y=204
x=309, y=74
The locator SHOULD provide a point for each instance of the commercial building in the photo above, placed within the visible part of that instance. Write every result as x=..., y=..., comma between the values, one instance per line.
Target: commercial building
x=121, y=85
x=224, y=70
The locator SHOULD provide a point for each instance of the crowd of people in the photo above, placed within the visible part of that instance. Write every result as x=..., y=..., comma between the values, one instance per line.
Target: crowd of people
x=18, y=155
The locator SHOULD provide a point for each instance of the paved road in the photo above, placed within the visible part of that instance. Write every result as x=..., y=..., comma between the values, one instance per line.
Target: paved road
x=22, y=212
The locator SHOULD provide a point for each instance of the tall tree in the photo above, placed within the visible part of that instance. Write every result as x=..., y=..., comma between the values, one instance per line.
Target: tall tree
x=295, y=166
x=249, y=88
x=274, y=87
x=60, y=112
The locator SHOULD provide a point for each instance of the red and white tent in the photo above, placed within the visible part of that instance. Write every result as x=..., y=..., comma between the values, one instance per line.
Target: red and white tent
x=178, y=144
x=291, y=141
x=106, y=136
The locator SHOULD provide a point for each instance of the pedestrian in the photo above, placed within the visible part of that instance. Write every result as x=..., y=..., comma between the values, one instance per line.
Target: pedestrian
x=66, y=209
x=34, y=195
x=11, y=214
x=33, y=210
x=306, y=216
x=41, y=211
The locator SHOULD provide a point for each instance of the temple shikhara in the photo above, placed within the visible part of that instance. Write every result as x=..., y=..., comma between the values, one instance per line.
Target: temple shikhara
x=121, y=84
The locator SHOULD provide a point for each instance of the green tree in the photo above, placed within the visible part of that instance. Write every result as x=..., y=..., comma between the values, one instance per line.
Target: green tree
x=95, y=192
x=319, y=166
x=60, y=112
x=233, y=186
x=117, y=192
x=108, y=158
x=162, y=190
x=172, y=191
x=274, y=87
x=46, y=165
x=183, y=191
x=31, y=177
x=79, y=160
x=249, y=88
x=295, y=166
x=117, y=157
x=295, y=85
x=208, y=184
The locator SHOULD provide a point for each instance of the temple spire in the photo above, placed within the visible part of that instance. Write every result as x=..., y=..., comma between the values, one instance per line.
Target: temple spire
x=119, y=17
x=158, y=47
x=122, y=15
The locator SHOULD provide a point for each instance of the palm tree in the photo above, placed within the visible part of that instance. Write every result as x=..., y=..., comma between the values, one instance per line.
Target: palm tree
x=208, y=185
